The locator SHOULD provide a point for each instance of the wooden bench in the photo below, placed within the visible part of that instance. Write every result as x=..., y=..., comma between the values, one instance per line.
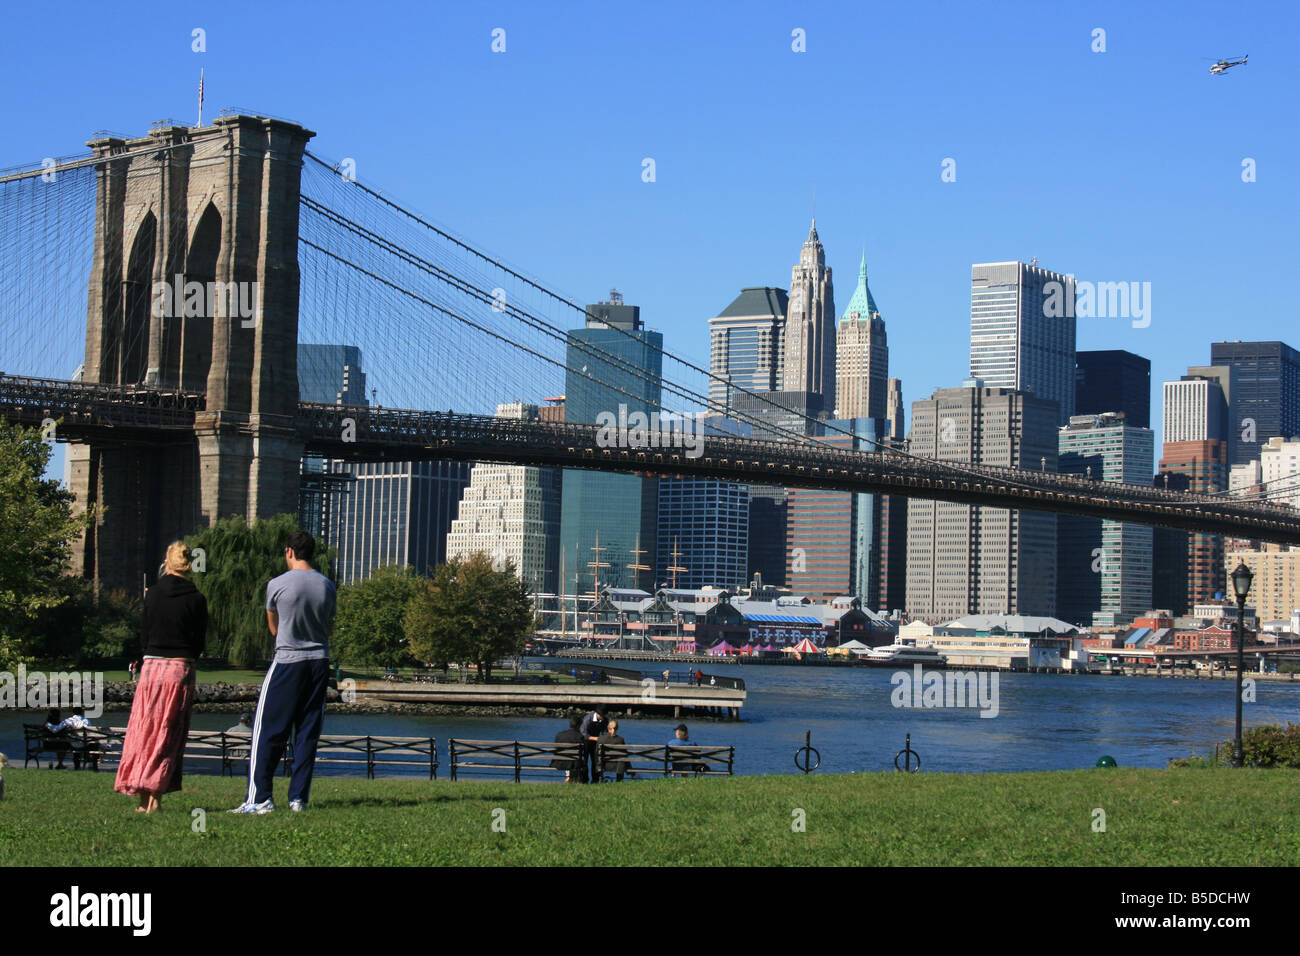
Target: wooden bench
x=81, y=745
x=515, y=756
x=667, y=759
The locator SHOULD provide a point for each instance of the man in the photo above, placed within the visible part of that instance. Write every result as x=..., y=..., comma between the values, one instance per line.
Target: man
x=682, y=738
x=242, y=729
x=300, y=607
x=610, y=736
x=575, y=771
x=593, y=725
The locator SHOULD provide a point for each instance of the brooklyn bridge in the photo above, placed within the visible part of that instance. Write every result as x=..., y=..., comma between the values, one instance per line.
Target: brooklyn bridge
x=179, y=409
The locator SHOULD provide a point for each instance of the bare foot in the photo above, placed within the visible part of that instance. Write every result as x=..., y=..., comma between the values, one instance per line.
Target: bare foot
x=154, y=804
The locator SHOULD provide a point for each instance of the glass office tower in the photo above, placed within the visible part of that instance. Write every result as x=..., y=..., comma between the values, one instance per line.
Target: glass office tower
x=613, y=361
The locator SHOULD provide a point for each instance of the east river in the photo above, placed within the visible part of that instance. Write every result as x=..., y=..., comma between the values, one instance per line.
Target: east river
x=1043, y=722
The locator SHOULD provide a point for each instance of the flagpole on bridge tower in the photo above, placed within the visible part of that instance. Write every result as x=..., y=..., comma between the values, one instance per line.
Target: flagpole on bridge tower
x=200, y=122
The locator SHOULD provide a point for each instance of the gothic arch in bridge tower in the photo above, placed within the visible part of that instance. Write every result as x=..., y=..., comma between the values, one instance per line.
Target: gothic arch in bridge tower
x=132, y=340
x=196, y=331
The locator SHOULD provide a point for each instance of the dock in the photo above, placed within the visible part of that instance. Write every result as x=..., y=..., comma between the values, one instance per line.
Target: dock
x=675, y=700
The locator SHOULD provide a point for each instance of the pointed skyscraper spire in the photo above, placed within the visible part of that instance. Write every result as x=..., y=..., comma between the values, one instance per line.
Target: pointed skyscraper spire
x=861, y=301
x=812, y=233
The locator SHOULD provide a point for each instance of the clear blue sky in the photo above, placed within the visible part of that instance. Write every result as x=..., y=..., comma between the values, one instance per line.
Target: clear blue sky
x=1123, y=165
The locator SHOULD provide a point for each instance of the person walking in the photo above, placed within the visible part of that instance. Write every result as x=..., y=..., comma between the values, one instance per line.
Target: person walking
x=173, y=630
x=300, y=606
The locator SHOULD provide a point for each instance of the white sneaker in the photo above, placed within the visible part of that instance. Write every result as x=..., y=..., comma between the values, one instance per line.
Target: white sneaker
x=297, y=806
x=266, y=806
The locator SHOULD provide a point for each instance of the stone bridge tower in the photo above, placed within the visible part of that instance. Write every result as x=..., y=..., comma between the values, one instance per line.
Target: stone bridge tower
x=194, y=286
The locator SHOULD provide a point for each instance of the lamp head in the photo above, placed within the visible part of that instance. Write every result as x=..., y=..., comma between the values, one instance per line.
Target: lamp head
x=1241, y=579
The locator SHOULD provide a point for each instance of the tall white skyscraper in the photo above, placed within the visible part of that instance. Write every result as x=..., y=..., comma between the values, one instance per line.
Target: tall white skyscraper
x=512, y=513
x=1022, y=331
x=809, y=349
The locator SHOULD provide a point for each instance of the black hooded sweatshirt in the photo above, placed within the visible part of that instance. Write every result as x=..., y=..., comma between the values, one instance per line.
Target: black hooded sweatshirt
x=175, y=619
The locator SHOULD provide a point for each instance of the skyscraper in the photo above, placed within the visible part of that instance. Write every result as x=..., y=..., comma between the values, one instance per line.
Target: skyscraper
x=840, y=542
x=331, y=374
x=1195, y=457
x=1104, y=567
x=1112, y=380
x=974, y=559
x=396, y=512
x=512, y=513
x=896, y=410
x=1196, y=408
x=808, y=364
x=704, y=532
x=1022, y=331
x=861, y=357
x=745, y=345
x=612, y=361
x=1201, y=467
x=1265, y=401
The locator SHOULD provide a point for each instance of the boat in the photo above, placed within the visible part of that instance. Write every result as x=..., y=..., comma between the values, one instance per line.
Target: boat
x=903, y=652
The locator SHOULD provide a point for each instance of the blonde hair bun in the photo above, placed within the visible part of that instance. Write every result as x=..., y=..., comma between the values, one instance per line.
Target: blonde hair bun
x=179, y=557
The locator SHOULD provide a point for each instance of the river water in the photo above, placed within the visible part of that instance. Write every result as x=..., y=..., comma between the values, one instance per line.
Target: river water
x=1043, y=722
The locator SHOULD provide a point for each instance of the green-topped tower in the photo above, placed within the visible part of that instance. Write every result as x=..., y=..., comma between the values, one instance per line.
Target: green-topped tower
x=861, y=356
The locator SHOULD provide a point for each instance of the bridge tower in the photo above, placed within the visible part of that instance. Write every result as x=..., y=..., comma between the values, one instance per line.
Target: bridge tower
x=194, y=287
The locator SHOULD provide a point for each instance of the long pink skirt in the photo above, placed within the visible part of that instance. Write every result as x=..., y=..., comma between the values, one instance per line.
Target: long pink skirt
x=156, y=732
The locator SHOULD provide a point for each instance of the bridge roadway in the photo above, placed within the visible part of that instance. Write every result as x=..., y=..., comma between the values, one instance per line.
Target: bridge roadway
x=136, y=414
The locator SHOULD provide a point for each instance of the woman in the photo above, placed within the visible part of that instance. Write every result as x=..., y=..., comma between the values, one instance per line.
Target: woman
x=171, y=638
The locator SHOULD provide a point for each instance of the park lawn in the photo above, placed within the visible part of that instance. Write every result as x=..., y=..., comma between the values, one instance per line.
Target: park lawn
x=1202, y=817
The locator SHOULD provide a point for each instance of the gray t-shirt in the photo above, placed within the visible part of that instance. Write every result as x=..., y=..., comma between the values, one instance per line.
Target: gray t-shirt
x=305, y=602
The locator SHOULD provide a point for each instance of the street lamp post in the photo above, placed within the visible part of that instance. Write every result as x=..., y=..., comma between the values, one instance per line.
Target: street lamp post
x=1241, y=579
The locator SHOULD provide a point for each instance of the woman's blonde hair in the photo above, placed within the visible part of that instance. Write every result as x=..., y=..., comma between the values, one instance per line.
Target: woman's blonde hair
x=179, y=557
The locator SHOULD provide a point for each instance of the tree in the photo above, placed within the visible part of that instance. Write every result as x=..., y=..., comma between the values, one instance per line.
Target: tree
x=370, y=628
x=470, y=612
x=38, y=526
x=238, y=562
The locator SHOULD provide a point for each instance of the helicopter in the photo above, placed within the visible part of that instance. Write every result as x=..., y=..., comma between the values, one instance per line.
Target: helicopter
x=1224, y=65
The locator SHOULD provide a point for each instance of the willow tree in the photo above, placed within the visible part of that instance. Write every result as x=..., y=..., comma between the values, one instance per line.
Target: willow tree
x=238, y=561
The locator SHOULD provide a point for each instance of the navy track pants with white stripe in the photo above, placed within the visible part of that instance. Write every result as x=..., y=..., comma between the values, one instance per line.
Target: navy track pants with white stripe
x=292, y=698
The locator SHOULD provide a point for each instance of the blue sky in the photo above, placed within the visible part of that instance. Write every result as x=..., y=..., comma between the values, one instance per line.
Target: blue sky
x=1115, y=166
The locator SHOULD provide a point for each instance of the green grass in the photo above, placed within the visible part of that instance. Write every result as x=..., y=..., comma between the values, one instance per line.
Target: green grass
x=1210, y=817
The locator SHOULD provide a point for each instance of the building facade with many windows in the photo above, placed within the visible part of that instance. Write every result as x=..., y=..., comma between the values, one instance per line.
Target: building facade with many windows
x=512, y=514
x=745, y=344
x=1104, y=567
x=1022, y=331
x=973, y=559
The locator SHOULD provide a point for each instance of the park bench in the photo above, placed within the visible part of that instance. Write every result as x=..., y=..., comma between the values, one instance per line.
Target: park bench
x=83, y=746
x=372, y=752
x=666, y=759
x=514, y=756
